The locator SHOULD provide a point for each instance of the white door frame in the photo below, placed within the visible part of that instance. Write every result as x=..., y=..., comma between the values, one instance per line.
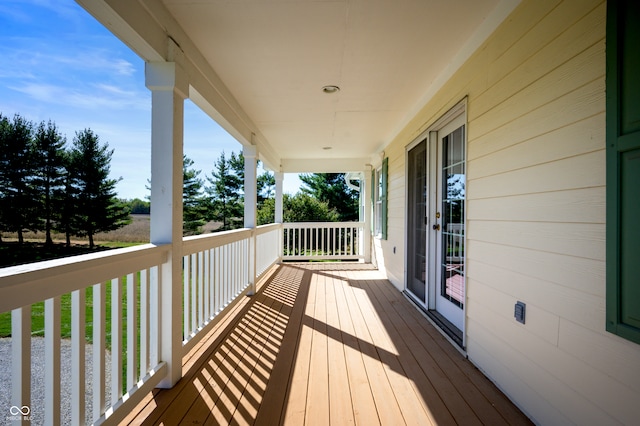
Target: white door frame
x=457, y=113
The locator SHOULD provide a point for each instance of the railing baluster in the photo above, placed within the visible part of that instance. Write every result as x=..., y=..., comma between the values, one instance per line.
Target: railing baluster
x=144, y=322
x=154, y=315
x=52, y=361
x=21, y=356
x=216, y=280
x=132, y=327
x=116, y=340
x=194, y=293
x=99, y=348
x=213, y=271
x=227, y=273
x=78, y=342
x=199, y=278
x=185, y=298
x=205, y=283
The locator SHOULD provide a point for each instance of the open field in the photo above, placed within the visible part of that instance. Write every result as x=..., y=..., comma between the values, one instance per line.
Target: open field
x=33, y=250
x=135, y=232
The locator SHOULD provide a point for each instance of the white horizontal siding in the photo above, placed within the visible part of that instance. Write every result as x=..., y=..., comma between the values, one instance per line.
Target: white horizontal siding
x=535, y=214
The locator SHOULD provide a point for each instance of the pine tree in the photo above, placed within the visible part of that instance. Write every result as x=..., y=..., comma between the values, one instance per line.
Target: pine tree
x=194, y=209
x=96, y=207
x=18, y=198
x=266, y=181
x=332, y=188
x=5, y=128
x=49, y=154
x=225, y=192
x=68, y=199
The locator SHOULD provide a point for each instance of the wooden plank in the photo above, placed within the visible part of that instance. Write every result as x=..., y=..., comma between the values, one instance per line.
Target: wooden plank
x=417, y=345
x=229, y=373
x=317, y=405
x=364, y=406
x=319, y=344
x=297, y=395
x=413, y=409
x=467, y=378
x=388, y=409
x=152, y=408
x=340, y=396
x=198, y=398
x=294, y=283
x=244, y=360
x=251, y=400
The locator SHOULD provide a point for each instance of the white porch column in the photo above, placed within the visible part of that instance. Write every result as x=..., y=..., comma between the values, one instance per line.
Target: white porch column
x=278, y=214
x=279, y=206
x=250, y=154
x=169, y=87
x=365, y=193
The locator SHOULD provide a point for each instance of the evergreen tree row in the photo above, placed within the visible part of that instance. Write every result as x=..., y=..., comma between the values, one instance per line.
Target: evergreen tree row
x=47, y=186
x=324, y=197
x=220, y=196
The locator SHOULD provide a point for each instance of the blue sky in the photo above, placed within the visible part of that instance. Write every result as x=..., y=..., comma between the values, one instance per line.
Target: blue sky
x=58, y=63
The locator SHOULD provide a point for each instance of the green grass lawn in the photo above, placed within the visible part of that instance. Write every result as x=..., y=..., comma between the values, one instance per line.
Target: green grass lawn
x=38, y=315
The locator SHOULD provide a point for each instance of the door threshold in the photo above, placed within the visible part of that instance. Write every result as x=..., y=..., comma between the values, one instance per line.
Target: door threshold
x=446, y=327
x=454, y=333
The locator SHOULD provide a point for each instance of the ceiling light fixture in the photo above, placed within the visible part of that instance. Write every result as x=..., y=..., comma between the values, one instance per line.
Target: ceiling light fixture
x=330, y=89
x=326, y=148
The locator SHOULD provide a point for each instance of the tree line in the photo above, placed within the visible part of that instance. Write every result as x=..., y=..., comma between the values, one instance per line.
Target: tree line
x=48, y=186
x=220, y=197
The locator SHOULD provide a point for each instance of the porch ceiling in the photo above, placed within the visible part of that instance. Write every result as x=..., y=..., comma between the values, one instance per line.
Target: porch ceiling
x=274, y=56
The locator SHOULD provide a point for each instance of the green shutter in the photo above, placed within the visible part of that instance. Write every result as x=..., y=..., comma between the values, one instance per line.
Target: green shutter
x=383, y=196
x=373, y=201
x=623, y=169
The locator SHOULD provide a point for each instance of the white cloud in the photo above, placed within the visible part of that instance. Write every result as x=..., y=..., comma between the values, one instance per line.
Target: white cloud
x=92, y=97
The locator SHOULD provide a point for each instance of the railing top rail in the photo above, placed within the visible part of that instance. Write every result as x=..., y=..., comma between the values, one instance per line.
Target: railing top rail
x=26, y=284
x=263, y=229
x=197, y=243
x=322, y=224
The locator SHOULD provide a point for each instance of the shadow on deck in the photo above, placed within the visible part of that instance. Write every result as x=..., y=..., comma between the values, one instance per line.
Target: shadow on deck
x=327, y=343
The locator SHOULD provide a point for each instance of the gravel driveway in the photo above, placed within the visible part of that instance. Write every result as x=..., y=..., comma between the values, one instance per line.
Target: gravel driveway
x=37, y=381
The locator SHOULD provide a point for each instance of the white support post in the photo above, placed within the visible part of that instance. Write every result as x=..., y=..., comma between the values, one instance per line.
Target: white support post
x=365, y=193
x=250, y=154
x=169, y=87
x=279, y=208
x=279, y=176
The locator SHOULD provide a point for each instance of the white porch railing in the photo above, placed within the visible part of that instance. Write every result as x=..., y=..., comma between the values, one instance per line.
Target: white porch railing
x=323, y=241
x=125, y=278
x=217, y=269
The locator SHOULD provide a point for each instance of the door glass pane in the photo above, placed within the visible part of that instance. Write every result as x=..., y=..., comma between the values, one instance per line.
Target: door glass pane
x=453, y=205
x=417, y=176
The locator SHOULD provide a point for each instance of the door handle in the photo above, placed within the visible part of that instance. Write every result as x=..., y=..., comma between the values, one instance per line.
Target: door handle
x=436, y=227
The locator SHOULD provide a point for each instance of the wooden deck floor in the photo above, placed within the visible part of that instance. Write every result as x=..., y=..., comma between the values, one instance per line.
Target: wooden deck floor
x=327, y=343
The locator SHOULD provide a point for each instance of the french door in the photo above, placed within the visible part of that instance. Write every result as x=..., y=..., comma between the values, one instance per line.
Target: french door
x=436, y=222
